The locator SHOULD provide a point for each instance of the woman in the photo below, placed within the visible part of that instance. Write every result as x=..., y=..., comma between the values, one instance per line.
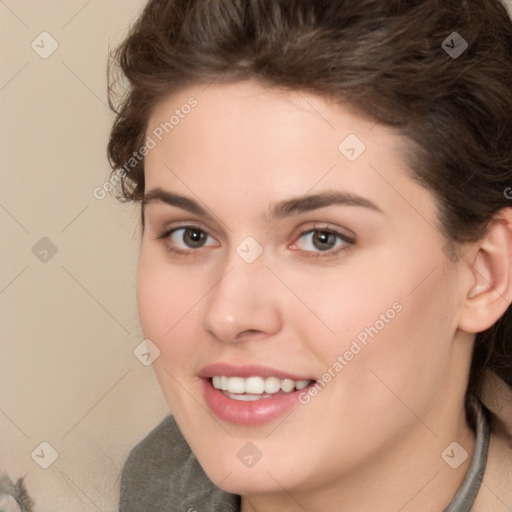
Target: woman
x=325, y=264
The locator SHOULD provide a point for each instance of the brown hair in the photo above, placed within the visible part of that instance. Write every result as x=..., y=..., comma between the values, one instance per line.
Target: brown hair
x=394, y=60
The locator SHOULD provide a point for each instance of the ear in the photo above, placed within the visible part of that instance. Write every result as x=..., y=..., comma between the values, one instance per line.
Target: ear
x=489, y=291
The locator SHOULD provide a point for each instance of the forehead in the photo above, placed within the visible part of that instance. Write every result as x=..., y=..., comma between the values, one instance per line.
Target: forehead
x=246, y=141
x=266, y=121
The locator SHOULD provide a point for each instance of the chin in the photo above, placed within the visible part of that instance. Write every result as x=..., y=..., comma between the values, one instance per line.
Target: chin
x=262, y=478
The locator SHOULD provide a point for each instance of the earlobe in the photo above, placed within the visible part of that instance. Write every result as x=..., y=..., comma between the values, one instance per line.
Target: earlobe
x=490, y=291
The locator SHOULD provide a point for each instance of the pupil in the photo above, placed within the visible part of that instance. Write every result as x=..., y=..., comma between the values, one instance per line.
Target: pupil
x=194, y=237
x=323, y=240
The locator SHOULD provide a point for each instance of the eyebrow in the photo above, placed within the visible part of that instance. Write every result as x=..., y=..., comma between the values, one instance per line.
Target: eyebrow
x=311, y=202
x=278, y=211
x=172, y=199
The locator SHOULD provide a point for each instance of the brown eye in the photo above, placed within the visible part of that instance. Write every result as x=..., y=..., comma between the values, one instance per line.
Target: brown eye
x=324, y=240
x=318, y=241
x=194, y=238
x=190, y=238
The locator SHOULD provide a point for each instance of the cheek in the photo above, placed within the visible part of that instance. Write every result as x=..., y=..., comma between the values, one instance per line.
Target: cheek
x=382, y=323
x=404, y=355
x=166, y=300
x=154, y=296
x=338, y=305
x=167, y=312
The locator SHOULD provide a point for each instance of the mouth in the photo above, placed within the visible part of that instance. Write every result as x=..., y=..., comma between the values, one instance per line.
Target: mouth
x=251, y=395
x=255, y=387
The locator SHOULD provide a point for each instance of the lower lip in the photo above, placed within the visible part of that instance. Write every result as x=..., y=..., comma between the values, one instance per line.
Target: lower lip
x=255, y=412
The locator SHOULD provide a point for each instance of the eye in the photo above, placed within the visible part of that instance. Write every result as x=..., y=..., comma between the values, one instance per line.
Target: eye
x=323, y=240
x=186, y=239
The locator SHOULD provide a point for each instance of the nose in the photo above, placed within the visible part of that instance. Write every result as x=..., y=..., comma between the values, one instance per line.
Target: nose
x=243, y=305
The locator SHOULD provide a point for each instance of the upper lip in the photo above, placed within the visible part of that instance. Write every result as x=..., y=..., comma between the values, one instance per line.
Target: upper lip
x=251, y=370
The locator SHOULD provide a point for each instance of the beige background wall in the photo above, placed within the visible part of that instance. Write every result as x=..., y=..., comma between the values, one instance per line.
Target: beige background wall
x=68, y=321
x=68, y=325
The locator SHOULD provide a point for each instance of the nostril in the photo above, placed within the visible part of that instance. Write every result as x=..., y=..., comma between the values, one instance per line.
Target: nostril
x=249, y=333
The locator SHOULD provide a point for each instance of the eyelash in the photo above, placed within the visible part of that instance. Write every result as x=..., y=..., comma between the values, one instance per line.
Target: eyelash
x=166, y=234
x=347, y=241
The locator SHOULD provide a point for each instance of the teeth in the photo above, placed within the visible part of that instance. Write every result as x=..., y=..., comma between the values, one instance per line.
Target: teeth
x=235, y=385
x=245, y=397
x=254, y=387
x=272, y=385
x=287, y=385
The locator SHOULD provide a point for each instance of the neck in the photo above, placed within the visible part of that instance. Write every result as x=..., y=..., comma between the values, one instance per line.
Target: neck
x=409, y=476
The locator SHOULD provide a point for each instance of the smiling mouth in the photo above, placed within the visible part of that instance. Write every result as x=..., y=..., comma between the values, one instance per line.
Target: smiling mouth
x=256, y=388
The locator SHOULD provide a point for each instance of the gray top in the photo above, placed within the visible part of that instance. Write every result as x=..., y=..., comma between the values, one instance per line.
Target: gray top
x=162, y=475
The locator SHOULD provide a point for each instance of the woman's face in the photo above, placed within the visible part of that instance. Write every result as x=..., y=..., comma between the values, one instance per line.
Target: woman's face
x=286, y=247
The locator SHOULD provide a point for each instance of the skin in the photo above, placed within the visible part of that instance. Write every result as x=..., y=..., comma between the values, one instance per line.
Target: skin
x=372, y=438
